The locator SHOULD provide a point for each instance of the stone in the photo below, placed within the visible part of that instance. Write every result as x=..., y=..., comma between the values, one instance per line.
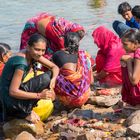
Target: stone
x=16, y=126
x=85, y=136
x=105, y=101
x=133, y=130
x=25, y=136
x=134, y=118
x=119, y=133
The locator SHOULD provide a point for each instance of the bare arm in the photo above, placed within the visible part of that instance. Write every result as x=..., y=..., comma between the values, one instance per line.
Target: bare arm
x=16, y=92
x=134, y=74
x=53, y=67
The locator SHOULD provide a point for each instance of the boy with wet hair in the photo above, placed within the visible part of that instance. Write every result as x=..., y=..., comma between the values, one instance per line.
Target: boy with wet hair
x=136, y=13
x=125, y=10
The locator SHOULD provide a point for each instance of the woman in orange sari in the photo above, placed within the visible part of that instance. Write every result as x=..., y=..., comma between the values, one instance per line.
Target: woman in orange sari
x=73, y=83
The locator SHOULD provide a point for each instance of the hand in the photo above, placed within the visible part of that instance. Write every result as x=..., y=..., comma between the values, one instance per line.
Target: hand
x=126, y=58
x=52, y=83
x=47, y=94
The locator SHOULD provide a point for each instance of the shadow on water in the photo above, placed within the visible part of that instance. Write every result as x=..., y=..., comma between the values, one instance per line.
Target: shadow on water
x=97, y=3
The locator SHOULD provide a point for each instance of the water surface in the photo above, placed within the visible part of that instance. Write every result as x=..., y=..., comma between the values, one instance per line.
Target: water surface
x=89, y=13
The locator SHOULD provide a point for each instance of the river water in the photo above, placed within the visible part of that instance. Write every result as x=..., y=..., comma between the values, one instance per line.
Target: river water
x=89, y=13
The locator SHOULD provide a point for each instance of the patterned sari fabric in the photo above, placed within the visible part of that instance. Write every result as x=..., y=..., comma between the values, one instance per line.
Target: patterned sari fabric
x=55, y=31
x=130, y=93
x=108, y=56
x=73, y=88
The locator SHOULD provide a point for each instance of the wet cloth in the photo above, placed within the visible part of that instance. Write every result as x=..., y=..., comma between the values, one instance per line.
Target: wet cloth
x=18, y=107
x=130, y=93
x=108, y=56
x=73, y=88
x=55, y=31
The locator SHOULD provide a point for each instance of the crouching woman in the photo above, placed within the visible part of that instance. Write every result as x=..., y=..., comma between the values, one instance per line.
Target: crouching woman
x=19, y=98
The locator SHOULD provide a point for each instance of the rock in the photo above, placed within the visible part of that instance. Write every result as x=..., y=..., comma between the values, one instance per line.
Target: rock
x=84, y=114
x=25, y=136
x=134, y=118
x=85, y=136
x=16, y=126
x=119, y=133
x=68, y=136
x=133, y=130
x=105, y=101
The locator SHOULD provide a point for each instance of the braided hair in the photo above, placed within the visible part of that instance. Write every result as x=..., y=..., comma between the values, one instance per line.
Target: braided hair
x=71, y=42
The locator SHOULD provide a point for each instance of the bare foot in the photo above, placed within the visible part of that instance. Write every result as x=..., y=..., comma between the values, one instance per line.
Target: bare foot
x=33, y=117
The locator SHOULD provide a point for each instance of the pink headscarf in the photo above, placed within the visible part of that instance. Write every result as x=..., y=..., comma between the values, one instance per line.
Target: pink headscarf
x=111, y=49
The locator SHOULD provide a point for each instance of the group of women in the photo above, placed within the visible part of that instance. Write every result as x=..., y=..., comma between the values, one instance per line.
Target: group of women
x=68, y=71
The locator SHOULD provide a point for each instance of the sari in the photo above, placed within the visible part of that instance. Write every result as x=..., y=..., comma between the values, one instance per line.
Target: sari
x=108, y=56
x=55, y=32
x=130, y=93
x=73, y=87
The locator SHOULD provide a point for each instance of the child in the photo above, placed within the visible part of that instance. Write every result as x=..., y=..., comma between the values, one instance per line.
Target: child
x=125, y=10
x=131, y=67
x=5, y=53
x=136, y=13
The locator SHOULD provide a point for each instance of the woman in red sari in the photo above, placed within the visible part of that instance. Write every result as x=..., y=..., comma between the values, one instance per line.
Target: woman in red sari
x=73, y=83
x=131, y=67
x=54, y=29
x=108, y=57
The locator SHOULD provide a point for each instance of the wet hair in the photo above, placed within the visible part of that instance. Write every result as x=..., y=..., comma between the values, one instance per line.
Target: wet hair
x=136, y=11
x=132, y=36
x=35, y=38
x=71, y=42
x=124, y=7
x=4, y=48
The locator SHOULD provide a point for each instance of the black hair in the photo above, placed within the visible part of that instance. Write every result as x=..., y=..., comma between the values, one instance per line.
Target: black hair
x=71, y=42
x=132, y=36
x=35, y=38
x=124, y=7
x=136, y=11
x=4, y=48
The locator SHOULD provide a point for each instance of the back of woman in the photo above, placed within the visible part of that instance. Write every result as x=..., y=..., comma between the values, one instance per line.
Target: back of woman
x=73, y=82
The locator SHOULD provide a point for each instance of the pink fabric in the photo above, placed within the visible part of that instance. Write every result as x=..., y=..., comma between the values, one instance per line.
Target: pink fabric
x=130, y=93
x=109, y=54
x=55, y=31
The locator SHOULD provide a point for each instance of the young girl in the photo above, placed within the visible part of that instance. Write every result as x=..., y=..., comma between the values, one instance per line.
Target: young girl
x=19, y=98
x=73, y=83
x=131, y=67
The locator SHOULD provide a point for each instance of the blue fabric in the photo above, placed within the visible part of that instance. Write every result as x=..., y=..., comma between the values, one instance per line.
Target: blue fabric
x=133, y=23
x=120, y=28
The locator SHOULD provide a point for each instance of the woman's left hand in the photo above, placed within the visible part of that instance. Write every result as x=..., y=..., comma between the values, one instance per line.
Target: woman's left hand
x=52, y=83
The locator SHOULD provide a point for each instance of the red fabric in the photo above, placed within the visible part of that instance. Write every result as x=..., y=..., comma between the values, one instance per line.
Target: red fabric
x=1, y=68
x=109, y=54
x=130, y=93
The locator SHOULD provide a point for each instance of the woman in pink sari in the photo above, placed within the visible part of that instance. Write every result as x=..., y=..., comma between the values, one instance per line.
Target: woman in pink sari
x=54, y=29
x=131, y=67
x=108, y=57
